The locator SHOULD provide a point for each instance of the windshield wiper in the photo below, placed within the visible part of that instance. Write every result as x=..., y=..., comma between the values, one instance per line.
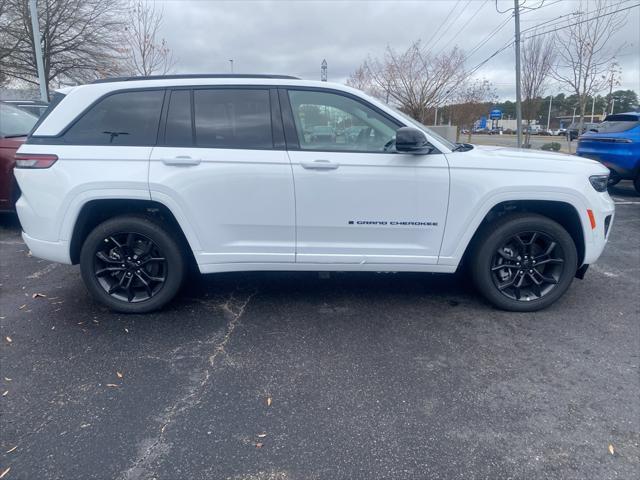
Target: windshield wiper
x=15, y=135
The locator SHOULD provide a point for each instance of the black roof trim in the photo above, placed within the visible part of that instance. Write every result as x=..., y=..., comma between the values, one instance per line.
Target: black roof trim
x=196, y=75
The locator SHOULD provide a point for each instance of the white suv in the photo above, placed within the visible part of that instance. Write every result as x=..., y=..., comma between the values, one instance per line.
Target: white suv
x=135, y=178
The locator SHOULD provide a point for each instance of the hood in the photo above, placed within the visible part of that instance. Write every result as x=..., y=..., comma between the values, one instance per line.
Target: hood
x=506, y=158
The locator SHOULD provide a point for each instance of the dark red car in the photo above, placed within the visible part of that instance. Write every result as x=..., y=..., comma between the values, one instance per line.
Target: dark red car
x=15, y=124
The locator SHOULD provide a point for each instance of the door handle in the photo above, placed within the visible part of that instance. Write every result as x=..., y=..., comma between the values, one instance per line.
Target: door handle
x=320, y=165
x=181, y=160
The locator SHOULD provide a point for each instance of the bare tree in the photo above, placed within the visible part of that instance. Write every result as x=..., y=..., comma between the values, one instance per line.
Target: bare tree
x=8, y=44
x=538, y=57
x=79, y=40
x=361, y=79
x=416, y=79
x=585, y=52
x=147, y=53
x=470, y=102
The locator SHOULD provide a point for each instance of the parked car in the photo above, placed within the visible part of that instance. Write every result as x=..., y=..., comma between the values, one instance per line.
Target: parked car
x=572, y=130
x=545, y=133
x=15, y=124
x=562, y=132
x=495, y=131
x=323, y=134
x=509, y=131
x=35, y=107
x=616, y=144
x=135, y=179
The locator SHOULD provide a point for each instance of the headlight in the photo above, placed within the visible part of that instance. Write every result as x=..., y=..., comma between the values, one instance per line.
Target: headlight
x=599, y=182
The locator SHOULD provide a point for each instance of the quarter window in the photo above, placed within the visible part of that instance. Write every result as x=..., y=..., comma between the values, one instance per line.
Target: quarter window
x=331, y=122
x=233, y=118
x=127, y=118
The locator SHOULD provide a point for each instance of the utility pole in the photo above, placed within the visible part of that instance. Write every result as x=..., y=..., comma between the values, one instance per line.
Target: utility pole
x=516, y=14
x=593, y=106
x=613, y=102
x=35, y=26
x=231, y=64
x=323, y=71
x=549, y=115
x=435, y=119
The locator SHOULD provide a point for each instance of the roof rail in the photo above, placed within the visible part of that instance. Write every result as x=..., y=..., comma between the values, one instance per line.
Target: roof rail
x=194, y=75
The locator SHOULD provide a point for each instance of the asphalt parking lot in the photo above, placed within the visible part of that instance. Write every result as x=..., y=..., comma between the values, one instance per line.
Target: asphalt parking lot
x=293, y=376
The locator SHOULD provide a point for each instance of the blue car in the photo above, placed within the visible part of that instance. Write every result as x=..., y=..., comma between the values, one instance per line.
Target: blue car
x=616, y=144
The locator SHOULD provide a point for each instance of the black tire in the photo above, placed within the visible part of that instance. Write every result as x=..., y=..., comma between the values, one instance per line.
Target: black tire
x=636, y=183
x=614, y=179
x=490, y=251
x=152, y=259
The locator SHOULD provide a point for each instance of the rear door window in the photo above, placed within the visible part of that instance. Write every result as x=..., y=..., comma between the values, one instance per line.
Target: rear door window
x=233, y=118
x=127, y=118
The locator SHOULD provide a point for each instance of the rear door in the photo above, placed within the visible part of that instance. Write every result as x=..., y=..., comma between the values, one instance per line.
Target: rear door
x=357, y=199
x=221, y=165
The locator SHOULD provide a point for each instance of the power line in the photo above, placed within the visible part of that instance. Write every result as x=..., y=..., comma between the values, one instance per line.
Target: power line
x=557, y=21
x=466, y=23
x=489, y=37
x=442, y=24
x=582, y=21
x=451, y=25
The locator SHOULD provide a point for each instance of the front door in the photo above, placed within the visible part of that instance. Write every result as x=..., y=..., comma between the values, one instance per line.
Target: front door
x=357, y=199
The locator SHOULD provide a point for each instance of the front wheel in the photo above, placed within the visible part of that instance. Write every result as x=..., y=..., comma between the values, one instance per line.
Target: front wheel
x=132, y=264
x=524, y=262
x=636, y=184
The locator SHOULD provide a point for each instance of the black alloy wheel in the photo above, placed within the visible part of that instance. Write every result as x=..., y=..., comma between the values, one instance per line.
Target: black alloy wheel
x=133, y=263
x=527, y=266
x=523, y=262
x=130, y=267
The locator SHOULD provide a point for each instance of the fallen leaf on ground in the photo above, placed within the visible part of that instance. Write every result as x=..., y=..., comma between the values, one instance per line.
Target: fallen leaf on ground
x=22, y=306
x=269, y=401
x=119, y=375
x=259, y=445
x=126, y=330
x=5, y=393
x=112, y=385
x=5, y=472
x=611, y=451
x=262, y=435
x=8, y=339
x=7, y=379
x=36, y=295
x=12, y=449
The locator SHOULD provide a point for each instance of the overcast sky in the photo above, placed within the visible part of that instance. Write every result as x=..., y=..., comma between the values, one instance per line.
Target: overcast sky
x=293, y=37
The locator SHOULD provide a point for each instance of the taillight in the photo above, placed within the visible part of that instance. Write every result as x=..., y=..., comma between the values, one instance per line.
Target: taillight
x=35, y=160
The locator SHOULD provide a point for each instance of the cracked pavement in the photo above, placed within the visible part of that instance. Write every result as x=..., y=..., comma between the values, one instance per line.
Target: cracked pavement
x=371, y=376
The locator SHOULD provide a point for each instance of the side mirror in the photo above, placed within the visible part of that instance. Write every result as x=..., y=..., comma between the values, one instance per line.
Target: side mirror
x=412, y=140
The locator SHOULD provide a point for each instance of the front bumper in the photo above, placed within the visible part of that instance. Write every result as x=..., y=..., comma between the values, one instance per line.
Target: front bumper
x=603, y=209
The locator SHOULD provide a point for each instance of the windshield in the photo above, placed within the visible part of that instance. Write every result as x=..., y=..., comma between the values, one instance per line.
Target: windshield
x=617, y=123
x=15, y=122
x=441, y=139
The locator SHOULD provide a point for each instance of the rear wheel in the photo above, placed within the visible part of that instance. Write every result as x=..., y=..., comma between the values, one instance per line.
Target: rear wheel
x=636, y=184
x=132, y=264
x=524, y=262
